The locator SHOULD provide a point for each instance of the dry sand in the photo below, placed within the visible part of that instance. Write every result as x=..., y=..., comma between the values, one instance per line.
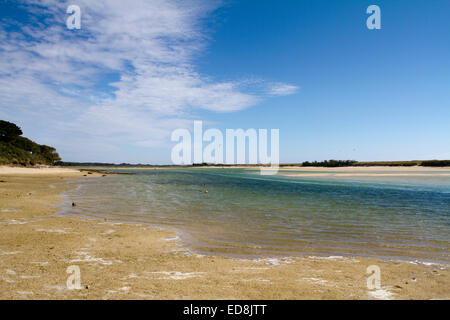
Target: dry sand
x=36, y=171
x=411, y=169
x=120, y=261
x=377, y=171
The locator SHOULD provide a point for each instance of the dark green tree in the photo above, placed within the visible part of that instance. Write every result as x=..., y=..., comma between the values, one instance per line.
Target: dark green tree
x=49, y=154
x=9, y=131
x=18, y=150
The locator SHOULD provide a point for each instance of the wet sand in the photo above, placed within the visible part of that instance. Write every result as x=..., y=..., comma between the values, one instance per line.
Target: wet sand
x=120, y=261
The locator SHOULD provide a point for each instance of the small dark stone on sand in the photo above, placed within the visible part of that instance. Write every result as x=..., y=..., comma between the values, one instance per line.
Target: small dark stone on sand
x=87, y=287
x=398, y=287
x=73, y=204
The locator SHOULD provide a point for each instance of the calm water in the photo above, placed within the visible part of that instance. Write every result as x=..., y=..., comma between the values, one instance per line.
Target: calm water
x=245, y=214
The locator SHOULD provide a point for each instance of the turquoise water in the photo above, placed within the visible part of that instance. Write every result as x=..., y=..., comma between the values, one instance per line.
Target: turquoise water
x=245, y=214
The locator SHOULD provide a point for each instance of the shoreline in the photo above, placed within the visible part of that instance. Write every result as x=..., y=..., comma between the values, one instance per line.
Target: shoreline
x=137, y=261
x=180, y=237
x=257, y=166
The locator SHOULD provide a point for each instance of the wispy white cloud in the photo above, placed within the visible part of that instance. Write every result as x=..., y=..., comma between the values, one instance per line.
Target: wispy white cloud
x=282, y=89
x=127, y=76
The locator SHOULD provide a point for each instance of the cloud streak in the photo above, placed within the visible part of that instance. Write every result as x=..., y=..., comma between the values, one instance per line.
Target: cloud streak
x=126, y=77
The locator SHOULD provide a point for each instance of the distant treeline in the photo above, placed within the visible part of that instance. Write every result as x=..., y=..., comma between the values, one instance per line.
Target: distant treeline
x=104, y=164
x=389, y=163
x=348, y=163
x=436, y=163
x=84, y=164
x=18, y=150
x=326, y=163
x=330, y=163
x=423, y=163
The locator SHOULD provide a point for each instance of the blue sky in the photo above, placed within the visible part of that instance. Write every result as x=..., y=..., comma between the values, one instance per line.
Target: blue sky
x=114, y=90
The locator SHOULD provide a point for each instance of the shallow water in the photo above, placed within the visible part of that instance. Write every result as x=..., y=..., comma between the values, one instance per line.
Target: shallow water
x=245, y=214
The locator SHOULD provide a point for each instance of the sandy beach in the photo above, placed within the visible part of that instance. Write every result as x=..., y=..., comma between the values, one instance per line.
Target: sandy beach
x=376, y=171
x=121, y=261
x=405, y=169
